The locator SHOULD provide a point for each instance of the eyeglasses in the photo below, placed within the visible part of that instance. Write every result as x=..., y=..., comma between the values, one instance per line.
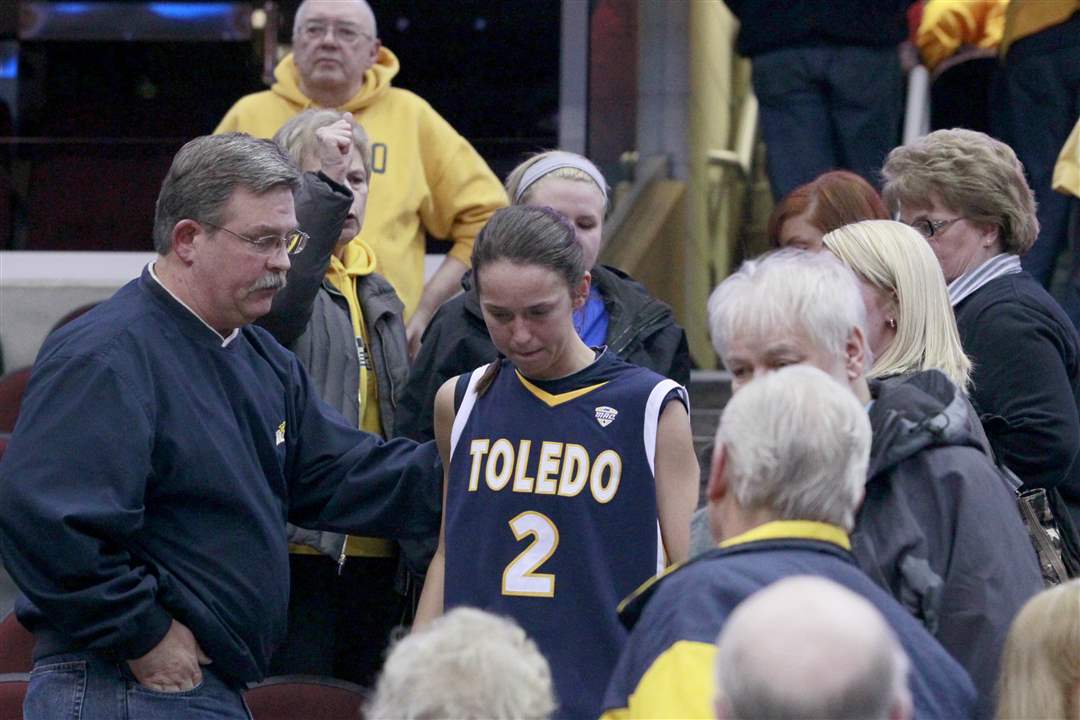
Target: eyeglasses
x=928, y=228
x=292, y=242
x=347, y=34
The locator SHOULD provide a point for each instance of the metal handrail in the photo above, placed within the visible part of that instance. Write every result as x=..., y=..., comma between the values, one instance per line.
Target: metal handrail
x=917, y=110
x=646, y=172
x=740, y=157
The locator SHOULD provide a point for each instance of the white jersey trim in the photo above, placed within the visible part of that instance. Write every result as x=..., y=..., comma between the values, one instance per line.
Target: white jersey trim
x=652, y=424
x=463, y=412
x=652, y=416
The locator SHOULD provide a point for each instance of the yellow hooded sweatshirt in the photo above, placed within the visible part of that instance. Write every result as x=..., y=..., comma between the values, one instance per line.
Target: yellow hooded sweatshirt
x=359, y=260
x=425, y=176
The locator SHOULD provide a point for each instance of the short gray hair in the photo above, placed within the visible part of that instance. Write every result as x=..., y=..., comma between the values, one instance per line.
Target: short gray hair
x=297, y=136
x=206, y=172
x=806, y=647
x=797, y=445
x=508, y=678
x=970, y=173
x=788, y=291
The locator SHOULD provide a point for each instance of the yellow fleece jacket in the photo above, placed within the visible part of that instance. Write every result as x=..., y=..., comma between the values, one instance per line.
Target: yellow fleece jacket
x=948, y=25
x=1067, y=170
x=359, y=260
x=425, y=176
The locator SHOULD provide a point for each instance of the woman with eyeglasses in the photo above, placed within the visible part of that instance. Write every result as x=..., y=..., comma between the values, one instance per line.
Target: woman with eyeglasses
x=966, y=194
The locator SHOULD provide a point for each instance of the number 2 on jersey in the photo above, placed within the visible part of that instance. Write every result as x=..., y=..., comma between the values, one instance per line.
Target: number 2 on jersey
x=520, y=577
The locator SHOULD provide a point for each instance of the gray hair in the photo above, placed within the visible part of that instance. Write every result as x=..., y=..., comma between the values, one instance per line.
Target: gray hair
x=806, y=647
x=297, y=136
x=970, y=173
x=205, y=173
x=507, y=677
x=797, y=445
x=788, y=291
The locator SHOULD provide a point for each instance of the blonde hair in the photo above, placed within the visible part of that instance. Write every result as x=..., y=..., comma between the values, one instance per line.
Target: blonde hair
x=1040, y=667
x=895, y=259
x=970, y=173
x=297, y=136
x=513, y=180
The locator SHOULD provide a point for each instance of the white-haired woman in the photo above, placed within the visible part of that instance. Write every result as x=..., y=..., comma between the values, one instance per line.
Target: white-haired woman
x=469, y=665
x=344, y=322
x=966, y=194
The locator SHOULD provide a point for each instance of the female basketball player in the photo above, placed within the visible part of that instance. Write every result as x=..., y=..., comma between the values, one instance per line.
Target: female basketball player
x=570, y=474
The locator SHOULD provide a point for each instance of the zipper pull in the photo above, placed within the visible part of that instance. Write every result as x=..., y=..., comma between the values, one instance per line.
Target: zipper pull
x=341, y=557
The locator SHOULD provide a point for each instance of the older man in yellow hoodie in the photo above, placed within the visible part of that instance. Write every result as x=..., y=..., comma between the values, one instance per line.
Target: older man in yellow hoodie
x=427, y=177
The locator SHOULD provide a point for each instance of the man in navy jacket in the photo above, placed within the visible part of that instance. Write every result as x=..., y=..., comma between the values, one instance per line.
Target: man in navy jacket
x=162, y=446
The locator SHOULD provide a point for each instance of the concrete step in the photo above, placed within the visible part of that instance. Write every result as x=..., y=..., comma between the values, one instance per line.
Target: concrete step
x=709, y=392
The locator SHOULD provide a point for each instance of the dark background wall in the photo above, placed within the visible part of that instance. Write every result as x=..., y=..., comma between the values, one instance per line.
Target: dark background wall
x=96, y=123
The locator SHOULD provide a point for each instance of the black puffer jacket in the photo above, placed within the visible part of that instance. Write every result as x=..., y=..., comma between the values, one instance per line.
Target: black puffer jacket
x=939, y=527
x=641, y=330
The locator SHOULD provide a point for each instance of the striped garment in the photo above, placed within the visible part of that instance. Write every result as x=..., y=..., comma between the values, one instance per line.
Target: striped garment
x=972, y=280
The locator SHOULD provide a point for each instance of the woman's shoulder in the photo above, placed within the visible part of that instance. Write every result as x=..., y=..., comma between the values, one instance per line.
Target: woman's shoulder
x=1010, y=301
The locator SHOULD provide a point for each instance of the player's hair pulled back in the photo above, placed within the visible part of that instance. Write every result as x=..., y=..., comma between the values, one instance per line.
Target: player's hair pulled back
x=526, y=235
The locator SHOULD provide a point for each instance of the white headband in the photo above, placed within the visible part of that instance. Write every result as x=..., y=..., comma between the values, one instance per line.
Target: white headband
x=554, y=161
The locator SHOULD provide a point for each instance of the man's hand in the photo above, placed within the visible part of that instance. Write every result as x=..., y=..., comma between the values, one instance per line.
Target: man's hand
x=173, y=664
x=334, y=148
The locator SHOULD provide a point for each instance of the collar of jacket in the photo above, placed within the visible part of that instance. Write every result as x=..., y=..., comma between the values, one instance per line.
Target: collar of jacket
x=913, y=412
x=376, y=81
x=783, y=535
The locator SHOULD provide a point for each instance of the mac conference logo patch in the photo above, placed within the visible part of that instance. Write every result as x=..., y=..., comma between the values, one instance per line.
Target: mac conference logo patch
x=605, y=414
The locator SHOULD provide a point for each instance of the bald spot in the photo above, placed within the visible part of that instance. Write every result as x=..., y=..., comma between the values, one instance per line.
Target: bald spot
x=365, y=15
x=807, y=636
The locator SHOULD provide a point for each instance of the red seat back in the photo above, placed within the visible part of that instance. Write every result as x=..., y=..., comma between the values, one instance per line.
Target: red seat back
x=12, y=387
x=12, y=693
x=16, y=647
x=287, y=697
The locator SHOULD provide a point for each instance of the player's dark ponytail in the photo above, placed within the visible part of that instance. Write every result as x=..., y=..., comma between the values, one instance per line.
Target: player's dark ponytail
x=527, y=235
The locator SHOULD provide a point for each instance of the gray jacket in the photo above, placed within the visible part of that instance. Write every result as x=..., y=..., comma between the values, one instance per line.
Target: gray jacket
x=311, y=318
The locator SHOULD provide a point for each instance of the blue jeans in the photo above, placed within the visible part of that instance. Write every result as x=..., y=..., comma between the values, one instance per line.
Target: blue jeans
x=85, y=686
x=825, y=108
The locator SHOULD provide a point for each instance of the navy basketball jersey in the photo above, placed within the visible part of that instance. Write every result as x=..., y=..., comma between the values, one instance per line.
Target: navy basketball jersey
x=551, y=511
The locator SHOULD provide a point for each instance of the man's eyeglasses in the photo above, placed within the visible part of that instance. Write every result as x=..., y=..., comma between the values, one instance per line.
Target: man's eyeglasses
x=928, y=228
x=347, y=34
x=292, y=242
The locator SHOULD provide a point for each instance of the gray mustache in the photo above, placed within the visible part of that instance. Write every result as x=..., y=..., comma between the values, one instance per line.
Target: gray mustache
x=274, y=281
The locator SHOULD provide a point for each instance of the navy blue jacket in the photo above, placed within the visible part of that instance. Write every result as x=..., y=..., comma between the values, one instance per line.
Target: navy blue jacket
x=1026, y=381
x=666, y=668
x=152, y=472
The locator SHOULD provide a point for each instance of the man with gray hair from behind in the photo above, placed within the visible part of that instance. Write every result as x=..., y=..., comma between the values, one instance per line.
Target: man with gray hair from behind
x=786, y=480
x=771, y=652
x=467, y=664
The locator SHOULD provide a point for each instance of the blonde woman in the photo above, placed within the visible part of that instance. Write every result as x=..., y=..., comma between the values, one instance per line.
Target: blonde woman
x=909, y=324
x=1040, y=669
